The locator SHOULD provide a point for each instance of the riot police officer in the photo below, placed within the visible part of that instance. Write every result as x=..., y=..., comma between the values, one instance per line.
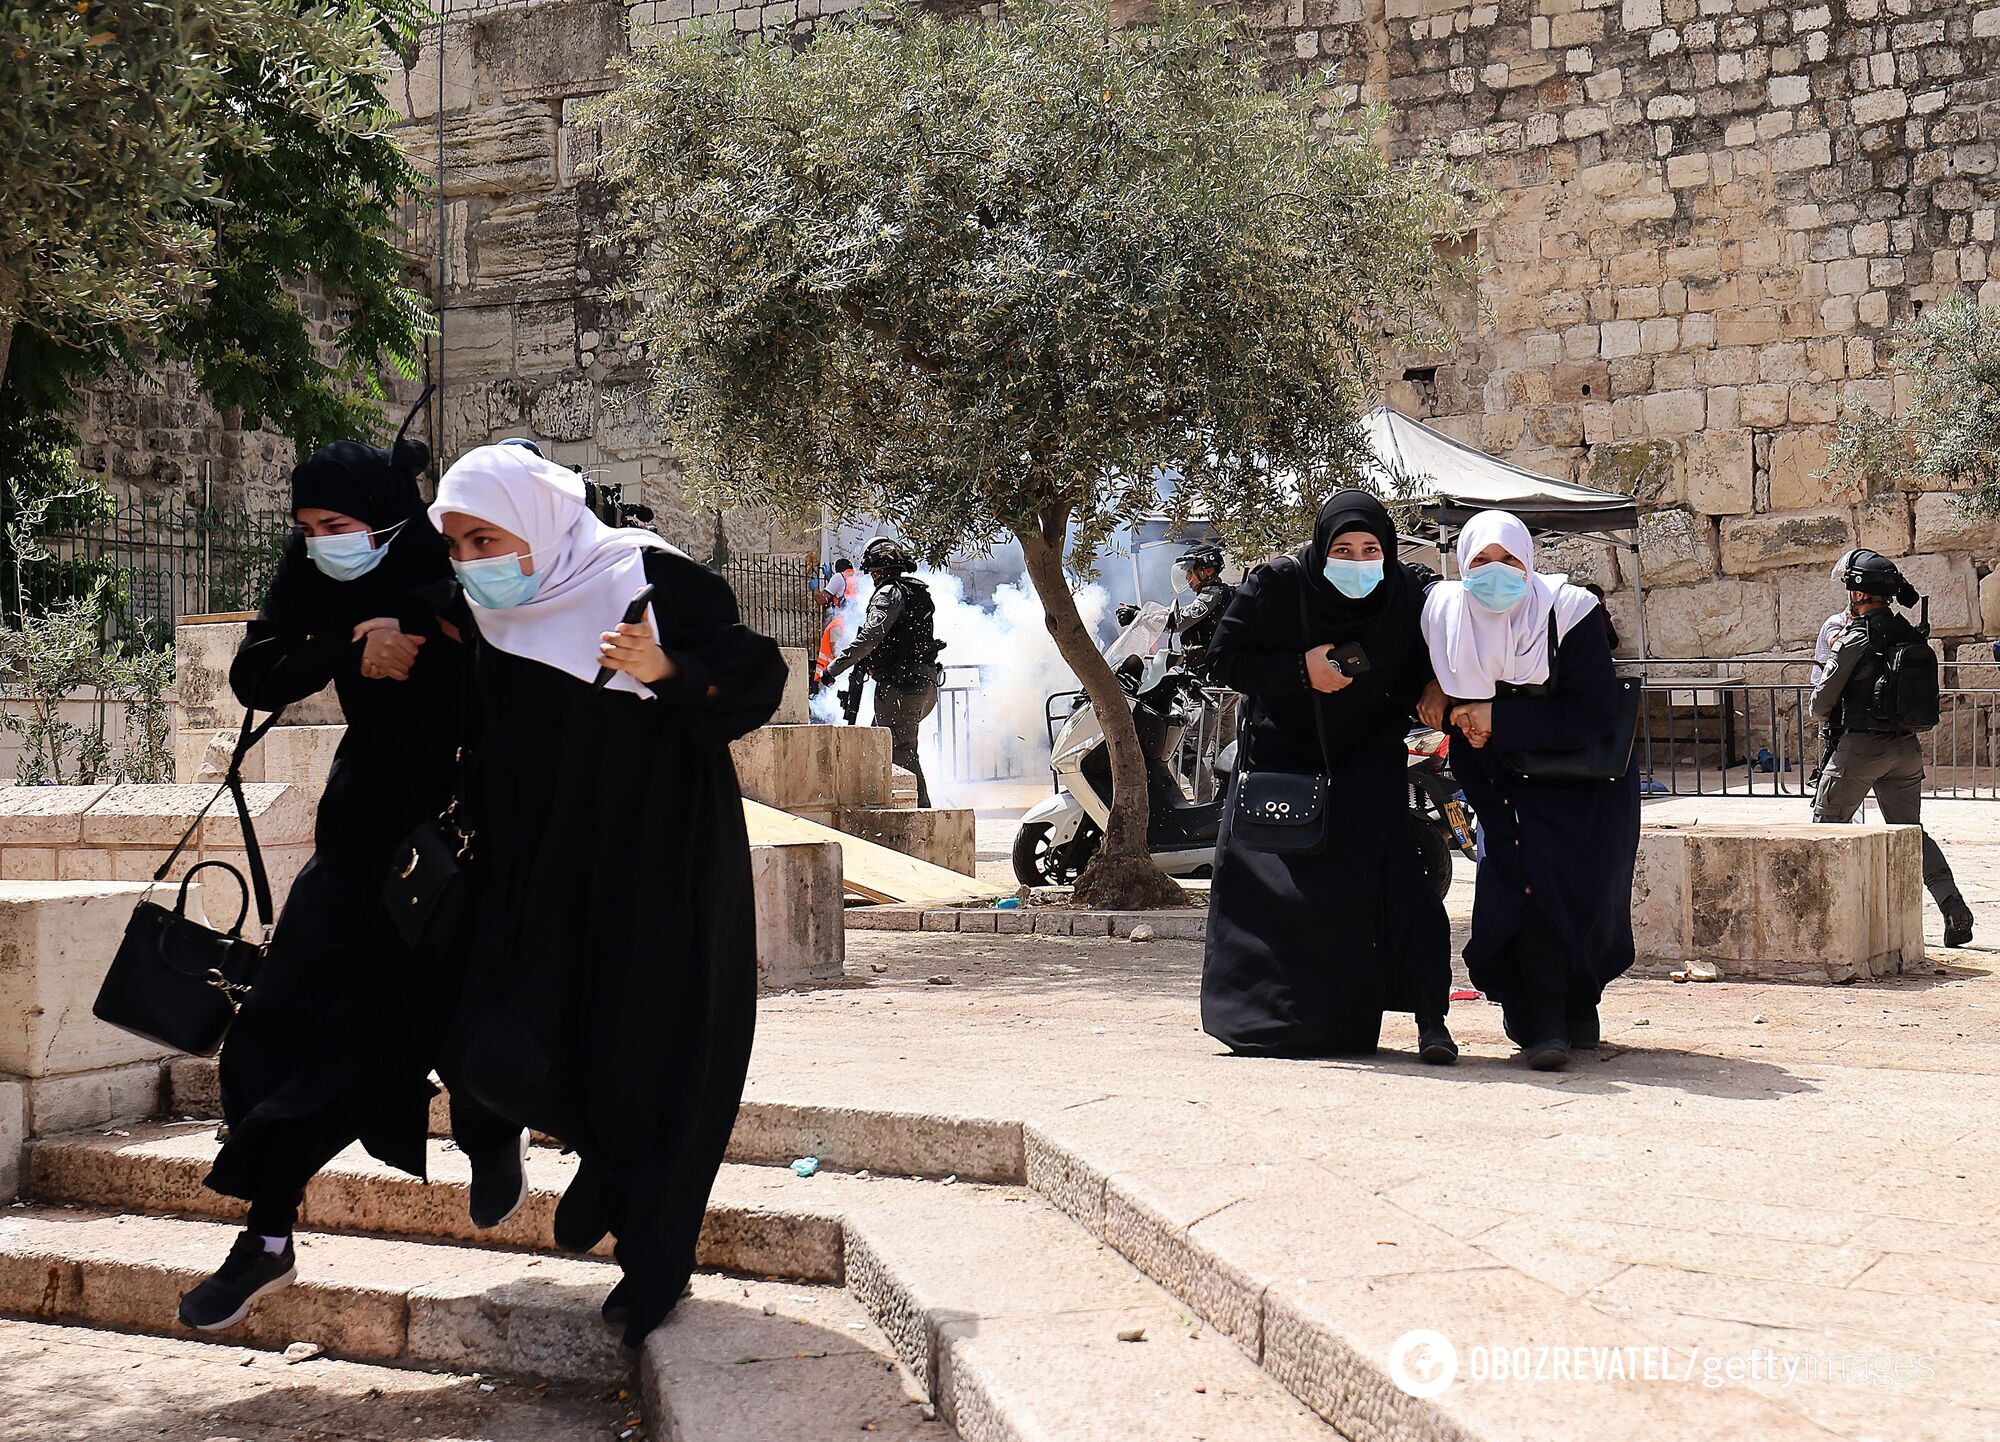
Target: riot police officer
x=898, y=646
x=1879, y=689
x=1197, y=614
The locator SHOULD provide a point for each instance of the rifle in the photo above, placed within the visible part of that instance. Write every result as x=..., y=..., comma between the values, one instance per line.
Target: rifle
x=850, y=696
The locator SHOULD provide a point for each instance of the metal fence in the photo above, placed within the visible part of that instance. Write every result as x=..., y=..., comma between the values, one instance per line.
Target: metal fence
x=967, y=751
x=159, y=562
x=775, y=596
x=1745, y=727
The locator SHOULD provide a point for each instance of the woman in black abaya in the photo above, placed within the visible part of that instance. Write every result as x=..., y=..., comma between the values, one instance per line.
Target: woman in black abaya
x=612, y=974
x=336, y=1042
x=1305, y=952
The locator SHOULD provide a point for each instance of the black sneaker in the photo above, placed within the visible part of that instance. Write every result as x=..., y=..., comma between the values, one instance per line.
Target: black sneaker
x=1551, y=1055
x=1957, y=923
x=1434, y=1044
x=499, y=1186
x=249, y=1272
x=1585, y=1032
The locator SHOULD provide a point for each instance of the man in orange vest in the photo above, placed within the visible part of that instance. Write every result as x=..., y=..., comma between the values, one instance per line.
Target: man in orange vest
x=839, y=591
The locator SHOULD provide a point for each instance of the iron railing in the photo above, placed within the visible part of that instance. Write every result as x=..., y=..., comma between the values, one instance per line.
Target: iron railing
x=966, y=749
x=158, y=562
x=1744, y=727
x=775, y=596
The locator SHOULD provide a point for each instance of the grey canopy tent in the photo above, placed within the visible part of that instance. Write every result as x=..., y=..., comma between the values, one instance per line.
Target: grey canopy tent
x=1455, y=481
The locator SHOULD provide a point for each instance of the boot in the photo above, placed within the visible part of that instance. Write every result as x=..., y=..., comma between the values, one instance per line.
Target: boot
x=1434, y=1043
x=1957, y=921
x=1583, y=1028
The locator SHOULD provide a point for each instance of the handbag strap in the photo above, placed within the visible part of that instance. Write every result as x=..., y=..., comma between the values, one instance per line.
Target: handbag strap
x=232, y=782
x=1313, y=699
x=1553, y=649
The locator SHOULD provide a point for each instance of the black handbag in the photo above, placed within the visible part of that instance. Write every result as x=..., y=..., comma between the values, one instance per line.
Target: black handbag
x=429, y=884
x=175, y=981
x=1606, y=759
x=1285, y=812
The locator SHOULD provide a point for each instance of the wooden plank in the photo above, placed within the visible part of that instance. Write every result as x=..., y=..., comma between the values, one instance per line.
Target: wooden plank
x=871, y=871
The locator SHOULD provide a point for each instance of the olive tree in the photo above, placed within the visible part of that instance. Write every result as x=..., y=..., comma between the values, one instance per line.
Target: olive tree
x=1949, y=428
x=989, y=278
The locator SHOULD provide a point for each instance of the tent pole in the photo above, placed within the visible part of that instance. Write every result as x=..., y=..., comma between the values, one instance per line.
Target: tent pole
x=1639, y=591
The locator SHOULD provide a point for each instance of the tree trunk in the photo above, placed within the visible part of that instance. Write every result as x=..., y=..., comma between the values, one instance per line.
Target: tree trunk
x=1122, y=874
x=6, y=344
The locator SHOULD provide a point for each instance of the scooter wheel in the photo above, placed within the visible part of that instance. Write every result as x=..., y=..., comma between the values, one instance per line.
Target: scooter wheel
x=1436, y=852
x=1037, y=863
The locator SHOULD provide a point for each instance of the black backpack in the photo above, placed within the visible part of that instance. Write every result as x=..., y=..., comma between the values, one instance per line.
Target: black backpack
x=1904, y=692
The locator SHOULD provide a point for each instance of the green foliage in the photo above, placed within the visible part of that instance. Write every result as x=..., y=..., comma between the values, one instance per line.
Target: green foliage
x=216, y=162
x=42, y=491
x=1950, y=428
x=985, y=278
x=56, y=658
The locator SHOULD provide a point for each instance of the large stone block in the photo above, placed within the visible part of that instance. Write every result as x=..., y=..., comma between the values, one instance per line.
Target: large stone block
x=1989, y=602
x=549, y=50
x=1762, y=543
x=1721, y=473
x=942, y=836
x=1947, y=522
x=68, y=1103
x=1728, y=617
x=1801, y=902
x=800, y=895
x=45, y=815
x=1806, y=597
x=1675, y=546
x=493, y=150
x=203, y=651
x=1953, y=588
x=795, y=708
x=814, y=768
x=56, y=939
x=1882, y=523
x=1797, y=458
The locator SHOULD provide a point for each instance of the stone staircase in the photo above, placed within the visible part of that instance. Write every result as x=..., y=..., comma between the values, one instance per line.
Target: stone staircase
x=852, y=1301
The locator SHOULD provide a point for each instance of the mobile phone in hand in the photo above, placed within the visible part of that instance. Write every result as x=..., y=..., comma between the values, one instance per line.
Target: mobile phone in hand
x=635, y=612
x=1350, y=658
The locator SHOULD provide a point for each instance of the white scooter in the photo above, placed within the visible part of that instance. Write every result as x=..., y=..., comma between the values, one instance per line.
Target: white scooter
x=1059, y=836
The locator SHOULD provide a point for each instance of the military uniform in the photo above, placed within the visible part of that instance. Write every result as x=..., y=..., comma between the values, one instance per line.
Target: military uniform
x=897, y=640
x=1873, y=755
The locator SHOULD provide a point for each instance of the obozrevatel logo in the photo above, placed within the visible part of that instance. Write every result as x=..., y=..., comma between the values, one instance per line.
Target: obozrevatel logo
x=1423, y=1362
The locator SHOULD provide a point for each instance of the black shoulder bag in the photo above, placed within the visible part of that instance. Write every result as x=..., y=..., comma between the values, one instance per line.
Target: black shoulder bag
x=429, y=883
x=1605, y=759
x=1285, y=812
x=175, y=981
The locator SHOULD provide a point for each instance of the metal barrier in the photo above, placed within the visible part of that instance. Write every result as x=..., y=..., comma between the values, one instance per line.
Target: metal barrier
x=966, y=751
x=160, y=562
x=1744, y=727
x=775, y=596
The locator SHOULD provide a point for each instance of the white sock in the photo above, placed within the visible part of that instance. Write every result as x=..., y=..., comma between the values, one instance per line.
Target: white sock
x=275, y=1245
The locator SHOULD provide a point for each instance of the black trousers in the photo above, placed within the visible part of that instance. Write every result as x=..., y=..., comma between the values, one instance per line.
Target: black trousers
x=288, y=1158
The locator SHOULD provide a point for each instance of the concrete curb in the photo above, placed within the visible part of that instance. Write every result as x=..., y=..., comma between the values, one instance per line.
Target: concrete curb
x=1183, y=924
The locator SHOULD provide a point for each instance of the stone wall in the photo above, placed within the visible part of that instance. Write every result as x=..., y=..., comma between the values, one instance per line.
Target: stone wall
x=1705, y=215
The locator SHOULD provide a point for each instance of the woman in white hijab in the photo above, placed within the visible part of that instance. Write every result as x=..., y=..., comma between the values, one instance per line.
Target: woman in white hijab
x=611, y=976
x=1552, y=913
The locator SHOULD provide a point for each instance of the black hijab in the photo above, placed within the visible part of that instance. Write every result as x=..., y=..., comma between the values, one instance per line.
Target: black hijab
x=1335, y=617
x=378, y=486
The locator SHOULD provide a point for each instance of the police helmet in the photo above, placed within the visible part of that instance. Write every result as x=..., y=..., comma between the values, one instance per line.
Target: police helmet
x=1874, y=574
x=886, y=553
x=1202, y=556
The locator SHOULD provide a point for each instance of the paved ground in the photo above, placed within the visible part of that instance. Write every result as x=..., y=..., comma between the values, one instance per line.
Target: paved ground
x=71, y=1384
x=1808, y=1170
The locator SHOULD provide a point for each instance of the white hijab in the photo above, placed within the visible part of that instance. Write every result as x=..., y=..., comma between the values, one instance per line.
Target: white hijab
x=589, y=570
x=1473, y=650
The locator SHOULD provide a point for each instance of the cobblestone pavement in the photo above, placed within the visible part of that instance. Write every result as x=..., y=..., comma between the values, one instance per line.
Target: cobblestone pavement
x=73, y=1384
x=1745, y=1170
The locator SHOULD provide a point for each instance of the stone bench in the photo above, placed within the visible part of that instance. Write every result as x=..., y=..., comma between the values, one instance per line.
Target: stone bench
x=1781, y=902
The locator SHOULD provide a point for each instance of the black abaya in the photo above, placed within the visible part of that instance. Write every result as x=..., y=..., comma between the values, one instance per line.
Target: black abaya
x=1305, y=952
x=338, y=1034
x=611, y=983
x=1560, y=852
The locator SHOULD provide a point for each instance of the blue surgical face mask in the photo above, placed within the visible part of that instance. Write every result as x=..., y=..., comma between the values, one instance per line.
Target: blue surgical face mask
x=1354, y=579
x=1496, y=585
x=497, y=582
x=350, y=554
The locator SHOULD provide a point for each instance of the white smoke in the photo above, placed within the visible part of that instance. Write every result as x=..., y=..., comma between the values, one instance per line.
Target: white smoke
x=1007, y=663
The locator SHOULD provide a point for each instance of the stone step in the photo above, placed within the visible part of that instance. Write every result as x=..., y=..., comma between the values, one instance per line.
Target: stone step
x=1009, y=1315
x=158, y=1168
x=363, y=1298
x=749, y=1361
x=772, y=1133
